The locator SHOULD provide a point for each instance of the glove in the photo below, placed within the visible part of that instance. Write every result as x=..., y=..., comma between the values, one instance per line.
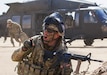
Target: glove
x=27, y=44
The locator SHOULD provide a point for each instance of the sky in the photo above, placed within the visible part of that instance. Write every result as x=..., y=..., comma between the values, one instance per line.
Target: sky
x=4, y=8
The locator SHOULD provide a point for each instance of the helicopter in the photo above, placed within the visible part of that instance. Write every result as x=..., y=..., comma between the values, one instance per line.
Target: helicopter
x=30, y=16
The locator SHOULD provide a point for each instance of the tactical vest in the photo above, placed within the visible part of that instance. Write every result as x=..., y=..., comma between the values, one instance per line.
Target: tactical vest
x=36, y=64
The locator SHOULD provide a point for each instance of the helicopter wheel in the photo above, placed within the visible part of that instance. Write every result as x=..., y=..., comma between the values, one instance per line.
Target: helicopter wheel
x=88, y=42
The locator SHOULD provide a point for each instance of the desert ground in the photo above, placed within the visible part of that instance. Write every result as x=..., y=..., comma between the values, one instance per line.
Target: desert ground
x=98, y=51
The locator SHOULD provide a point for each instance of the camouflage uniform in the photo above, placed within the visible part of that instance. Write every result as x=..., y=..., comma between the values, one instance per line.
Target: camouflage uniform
x=15, y=31
x=37, y=64
x=102, y=70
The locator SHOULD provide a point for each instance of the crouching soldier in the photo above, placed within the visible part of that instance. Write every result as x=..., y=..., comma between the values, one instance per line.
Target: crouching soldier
x=15, y=32
x=43, y=55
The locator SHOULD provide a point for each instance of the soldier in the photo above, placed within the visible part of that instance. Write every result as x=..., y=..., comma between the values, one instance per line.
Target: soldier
x=15, y=32
x=102, y=70
x=43, y=54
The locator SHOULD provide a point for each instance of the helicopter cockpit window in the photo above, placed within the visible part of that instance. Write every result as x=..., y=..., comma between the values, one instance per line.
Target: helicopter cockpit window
x=26, y=21
x=16, y=19
x=90, y=17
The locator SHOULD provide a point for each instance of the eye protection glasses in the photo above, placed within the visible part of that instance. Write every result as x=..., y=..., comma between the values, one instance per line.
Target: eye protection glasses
x=50, y=30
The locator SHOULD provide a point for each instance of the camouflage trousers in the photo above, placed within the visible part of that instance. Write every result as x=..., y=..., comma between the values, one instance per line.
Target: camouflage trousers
x=18, y=37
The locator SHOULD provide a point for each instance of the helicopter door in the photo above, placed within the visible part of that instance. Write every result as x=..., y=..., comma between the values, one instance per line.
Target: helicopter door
x=91, y=27
x=73, y=27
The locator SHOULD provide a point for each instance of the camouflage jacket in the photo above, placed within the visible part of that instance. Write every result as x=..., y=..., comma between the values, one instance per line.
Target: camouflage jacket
x=14, y=29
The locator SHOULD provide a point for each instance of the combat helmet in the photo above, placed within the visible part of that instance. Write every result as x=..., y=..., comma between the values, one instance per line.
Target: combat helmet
x=9, y=21
x=57, y=20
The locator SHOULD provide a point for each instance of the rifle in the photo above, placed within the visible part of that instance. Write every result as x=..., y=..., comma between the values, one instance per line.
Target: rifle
x=80, y=57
